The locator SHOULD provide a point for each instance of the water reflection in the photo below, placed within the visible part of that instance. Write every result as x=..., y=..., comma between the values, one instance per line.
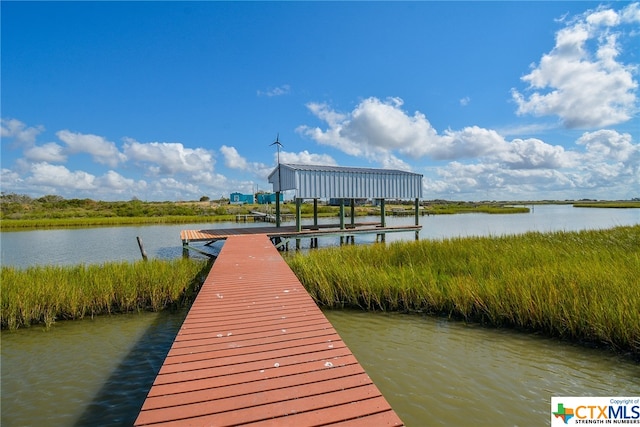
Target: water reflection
x=439, y=372
x=97, y=245
x=432, y=371
x=86, y=372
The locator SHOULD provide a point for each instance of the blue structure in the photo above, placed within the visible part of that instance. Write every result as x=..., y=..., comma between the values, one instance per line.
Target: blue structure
x=268, y=198
x=240, y=199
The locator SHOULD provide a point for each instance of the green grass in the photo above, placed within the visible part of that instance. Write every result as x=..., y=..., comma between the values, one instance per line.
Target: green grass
x=448, y=209
x=21, y=212
x=43, y=294
x=613, y=205
x=582, y=286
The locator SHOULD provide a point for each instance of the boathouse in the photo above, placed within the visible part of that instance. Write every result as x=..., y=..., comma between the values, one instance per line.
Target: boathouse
x=343, y=184
x=335, y=182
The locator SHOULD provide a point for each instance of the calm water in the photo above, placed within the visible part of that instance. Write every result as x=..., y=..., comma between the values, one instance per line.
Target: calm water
x=96, y=245
x=438, y=372
x=433, y=371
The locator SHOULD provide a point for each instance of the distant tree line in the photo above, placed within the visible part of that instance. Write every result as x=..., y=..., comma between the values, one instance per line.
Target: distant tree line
x=20, y=206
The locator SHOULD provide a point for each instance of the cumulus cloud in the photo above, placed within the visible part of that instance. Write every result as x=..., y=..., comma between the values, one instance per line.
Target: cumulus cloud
x=478, y=159
x=19, y=132
x=59, y=176
x=535, y=154
x=306, y=158
x=233, y=159
x=375, y=129
x=609, y=144
x=114, y=181
x=49, y=152
x=163, y=158
x=99, y=148
x=584, y=88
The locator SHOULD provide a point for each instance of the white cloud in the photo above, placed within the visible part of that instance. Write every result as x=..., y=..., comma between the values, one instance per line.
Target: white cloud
x=609, y=144
x=233, y=159
x=306, y=158
x=49, y=152
x=168, y=157
x=58, y=176
x=375, y=129
x=114, y=181
x=19, y=132
x=480, y=160
x=101, y=150
x=10, y=179
x=584, y=89
x=535, y=154
x=275, y=91
x=465, y=101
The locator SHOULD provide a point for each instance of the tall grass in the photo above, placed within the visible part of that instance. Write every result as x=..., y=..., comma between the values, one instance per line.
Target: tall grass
x=578, y=285
x=43, y=294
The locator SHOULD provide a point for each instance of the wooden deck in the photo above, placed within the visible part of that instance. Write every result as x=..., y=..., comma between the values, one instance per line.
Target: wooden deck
x=256, y=350
x=291, y=232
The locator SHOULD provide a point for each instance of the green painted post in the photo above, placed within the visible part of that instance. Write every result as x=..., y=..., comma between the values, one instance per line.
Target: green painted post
x=298, y=214
x=341, y=219
x=383, y=221
x=315, y=213
x=353, y=213
x=417, y=217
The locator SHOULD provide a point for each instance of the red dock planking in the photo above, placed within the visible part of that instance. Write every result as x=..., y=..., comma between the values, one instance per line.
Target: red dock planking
x=256, y=350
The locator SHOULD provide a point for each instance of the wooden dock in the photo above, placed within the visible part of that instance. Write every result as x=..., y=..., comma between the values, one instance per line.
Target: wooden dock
x=256, y=350
x=292, y=232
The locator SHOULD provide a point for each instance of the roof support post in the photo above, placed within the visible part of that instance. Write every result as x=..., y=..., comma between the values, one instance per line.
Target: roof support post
x=315, y=213
x=383, y=222
x=353, y=213
x=298, y=214
x=341, y=214
x=417, y=206
x=277, y=208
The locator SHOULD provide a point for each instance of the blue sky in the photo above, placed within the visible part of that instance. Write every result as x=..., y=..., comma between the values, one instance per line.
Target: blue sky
x=177, y=100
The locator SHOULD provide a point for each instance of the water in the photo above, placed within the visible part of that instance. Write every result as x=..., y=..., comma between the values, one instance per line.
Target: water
x=432, y=371
x=439, y=372
x=97, y=245
x=86, y=372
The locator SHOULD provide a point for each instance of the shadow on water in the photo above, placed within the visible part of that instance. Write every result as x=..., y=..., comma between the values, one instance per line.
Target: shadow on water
x=119, y=400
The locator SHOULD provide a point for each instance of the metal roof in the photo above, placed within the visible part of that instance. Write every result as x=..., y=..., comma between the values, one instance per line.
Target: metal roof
x=324, y=182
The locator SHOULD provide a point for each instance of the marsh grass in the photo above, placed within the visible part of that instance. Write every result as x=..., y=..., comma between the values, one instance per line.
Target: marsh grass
x=583, y=285
x=43, y=294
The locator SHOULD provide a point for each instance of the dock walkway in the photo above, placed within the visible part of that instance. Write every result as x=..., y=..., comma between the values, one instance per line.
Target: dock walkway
x=255, y=349
x=291, y=232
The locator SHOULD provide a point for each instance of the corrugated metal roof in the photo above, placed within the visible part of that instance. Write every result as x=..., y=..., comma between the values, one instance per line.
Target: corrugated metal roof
x=323, y=182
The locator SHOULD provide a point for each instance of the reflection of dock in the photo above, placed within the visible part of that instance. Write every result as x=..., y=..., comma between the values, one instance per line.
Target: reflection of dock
x=255, y=348
x=282, y=235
